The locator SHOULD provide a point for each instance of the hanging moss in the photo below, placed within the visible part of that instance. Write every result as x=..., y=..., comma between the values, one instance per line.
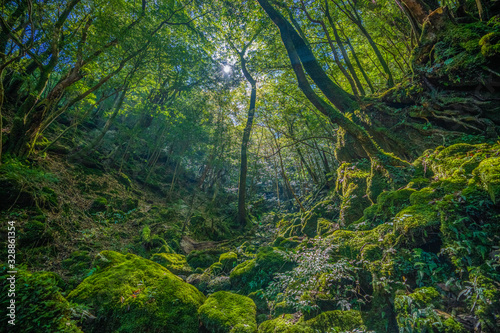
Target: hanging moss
x=134, y=294
x=225, y=312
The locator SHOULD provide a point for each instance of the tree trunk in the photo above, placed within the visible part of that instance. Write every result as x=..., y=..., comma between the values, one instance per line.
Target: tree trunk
x=242, y=213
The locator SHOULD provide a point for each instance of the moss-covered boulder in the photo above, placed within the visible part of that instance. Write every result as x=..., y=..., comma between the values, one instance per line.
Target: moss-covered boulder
x=330, y=321
x=39, y=305
x=228, y=261
x=225, y=312
x=488, y=175
x=176, y=263
x=132, y=294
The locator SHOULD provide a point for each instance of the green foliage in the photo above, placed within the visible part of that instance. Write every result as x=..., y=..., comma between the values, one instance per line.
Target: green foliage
x=314, y=278
x=25, y=184
x=39, y=305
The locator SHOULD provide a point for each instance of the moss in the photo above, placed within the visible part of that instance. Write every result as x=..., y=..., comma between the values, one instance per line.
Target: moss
x=424, y=196
x=486, y=297
x=99, y=205
x=388, y=204
x=39, y=305
x=124, y=180
x=201, y=259
x=146, y=235
x=352, y=243
x=78, y=262
x=453, y=326
x=176, y=263
x=488, y=175
x=309, y=225
x=416, y=225
x=228, y=261
x=425, y=296
x=255, y=274
x=353, y=187
x=330, y=321
x=259, y=299
x=225, y=312
x=218, y=283
x=490, y=44
x=215, y=268
x=200, y=281
x=289, y=243
x=282, y=324
x=36, y=233
x=418, y=310
x=243, y=273
x=336, y=321
x=130, y=204
x=133, y=293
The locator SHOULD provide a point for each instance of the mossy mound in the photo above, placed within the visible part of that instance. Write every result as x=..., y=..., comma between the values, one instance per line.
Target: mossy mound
x=330, y=321
x=225, y=312
x=39, y=305
x=176, y=263
x=131, y=294
x=228, y=261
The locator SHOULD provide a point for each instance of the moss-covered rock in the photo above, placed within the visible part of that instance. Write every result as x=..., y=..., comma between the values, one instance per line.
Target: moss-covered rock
x=176, y=263
x=388, y=204
x=225, y=312
x=39, y=305
x=330, y=321
x=287, y=243
x=228, y=261
x=488, y=175
x=131, y=294
x=352, y=187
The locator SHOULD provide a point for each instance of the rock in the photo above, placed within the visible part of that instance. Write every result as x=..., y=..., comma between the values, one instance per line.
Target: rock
x=225, y=312
x=133, y=294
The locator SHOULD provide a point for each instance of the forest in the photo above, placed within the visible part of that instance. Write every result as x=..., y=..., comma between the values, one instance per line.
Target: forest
x=250, y=166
